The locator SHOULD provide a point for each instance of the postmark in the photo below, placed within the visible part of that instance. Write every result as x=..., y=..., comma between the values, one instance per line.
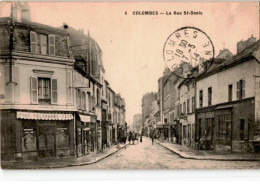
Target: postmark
x=188, y=49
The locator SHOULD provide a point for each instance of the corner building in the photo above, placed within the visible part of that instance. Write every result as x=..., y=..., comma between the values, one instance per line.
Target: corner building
x=36, y=106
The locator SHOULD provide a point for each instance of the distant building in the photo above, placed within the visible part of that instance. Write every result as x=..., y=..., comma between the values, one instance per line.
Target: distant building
x=147, y=101
x=137, y=123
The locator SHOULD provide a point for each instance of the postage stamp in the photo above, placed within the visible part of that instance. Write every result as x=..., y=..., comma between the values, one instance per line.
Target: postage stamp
x=186, y=48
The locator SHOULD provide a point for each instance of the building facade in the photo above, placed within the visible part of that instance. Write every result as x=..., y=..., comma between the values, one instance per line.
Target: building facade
x=226, y=108
x=37, y=106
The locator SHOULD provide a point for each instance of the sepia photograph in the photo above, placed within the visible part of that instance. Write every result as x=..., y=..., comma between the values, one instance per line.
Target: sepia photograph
x=129, y=85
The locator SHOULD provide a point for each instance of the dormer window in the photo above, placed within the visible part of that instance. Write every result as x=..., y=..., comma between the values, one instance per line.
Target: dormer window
x=42, y=44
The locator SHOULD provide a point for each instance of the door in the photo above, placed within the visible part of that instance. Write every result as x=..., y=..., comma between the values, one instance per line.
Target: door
x=46, y=140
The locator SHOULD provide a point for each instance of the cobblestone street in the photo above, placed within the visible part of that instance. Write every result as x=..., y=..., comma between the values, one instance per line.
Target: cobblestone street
x=147, y=156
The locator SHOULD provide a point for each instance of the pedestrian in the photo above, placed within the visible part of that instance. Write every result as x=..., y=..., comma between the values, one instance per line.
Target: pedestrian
x=141, y=139
x=136, y=137
x=152, y=139
x=130, y=137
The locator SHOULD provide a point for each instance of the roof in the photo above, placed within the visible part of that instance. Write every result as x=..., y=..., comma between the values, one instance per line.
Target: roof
x=34, y=25
x=242, y=56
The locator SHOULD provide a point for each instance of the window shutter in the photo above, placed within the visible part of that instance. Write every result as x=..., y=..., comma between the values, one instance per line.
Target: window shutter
x=33, y=42
x=34, y=90
x=84, y=101
x=52, y=45
x=243, y=88
x=238, y=84
x=54, y=91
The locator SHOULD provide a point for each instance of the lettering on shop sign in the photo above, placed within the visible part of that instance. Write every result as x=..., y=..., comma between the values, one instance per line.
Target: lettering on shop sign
x=43, y=116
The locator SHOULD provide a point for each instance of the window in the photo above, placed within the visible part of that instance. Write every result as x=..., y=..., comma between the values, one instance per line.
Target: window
x=33, y=42
x=89, y=103
x=98, y=97
x=241, y=89
x=242, y=128
x=209, y=127
x=193, y=104
x=201, y=98
x=224, y=129
x=44, y=90
x=42, y=44
x=230, y=92
x=188, y=106
x=209, y=96
x=51, y=45
x=184, y=108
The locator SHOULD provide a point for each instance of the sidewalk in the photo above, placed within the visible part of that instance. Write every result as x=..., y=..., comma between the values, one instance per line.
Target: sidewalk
x=190, y=153
x=63, y=162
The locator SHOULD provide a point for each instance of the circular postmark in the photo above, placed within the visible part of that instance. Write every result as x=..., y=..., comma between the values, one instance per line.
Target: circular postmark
x=188, y=52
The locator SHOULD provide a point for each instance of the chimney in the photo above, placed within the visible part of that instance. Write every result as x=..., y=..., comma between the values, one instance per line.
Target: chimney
x=243, y=44
x=20, y=12
x=16, y=12
x=26, y=12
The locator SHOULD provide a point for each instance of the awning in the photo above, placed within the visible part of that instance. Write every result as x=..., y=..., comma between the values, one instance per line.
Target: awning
x=85, y=119
x=43, y=116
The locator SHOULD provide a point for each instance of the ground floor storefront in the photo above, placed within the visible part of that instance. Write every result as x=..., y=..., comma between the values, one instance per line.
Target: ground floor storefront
x=30, y=135
x=228, y=126
x=86, y=134
x=188, y=131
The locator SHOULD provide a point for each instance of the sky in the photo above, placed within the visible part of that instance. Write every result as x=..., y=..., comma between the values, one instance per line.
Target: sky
x=132, y=45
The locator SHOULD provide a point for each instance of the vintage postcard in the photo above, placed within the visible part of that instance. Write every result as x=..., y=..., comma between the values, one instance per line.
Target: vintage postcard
x=130, y=85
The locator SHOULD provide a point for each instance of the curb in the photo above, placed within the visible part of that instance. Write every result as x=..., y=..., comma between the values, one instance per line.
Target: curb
x=214, y=159
x=71, y=165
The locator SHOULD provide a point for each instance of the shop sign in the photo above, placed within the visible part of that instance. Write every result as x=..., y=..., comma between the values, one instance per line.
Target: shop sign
x=85, y=119
x=43, y=116
x=28, y=130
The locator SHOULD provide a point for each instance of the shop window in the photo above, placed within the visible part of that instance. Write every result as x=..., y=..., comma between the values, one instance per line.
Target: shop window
x=209, y=127
x=188, y=106
x=201, y=98
x=184, y=131
x=193, y=131
x=62, y=135
x=242, y=129
x=209, y=96
x=224, y=129
x=230, y=90
x=29, y=136
x=199, y=130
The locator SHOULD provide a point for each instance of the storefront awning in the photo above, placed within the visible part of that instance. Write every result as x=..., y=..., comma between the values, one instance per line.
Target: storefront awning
x=43, y=116
x=85, y=119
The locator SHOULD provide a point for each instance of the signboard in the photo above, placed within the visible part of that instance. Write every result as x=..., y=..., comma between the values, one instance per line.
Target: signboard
x=43, y=116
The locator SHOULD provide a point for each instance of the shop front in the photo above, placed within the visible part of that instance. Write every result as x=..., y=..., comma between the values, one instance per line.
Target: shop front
x=86, y=134
x=30, y=135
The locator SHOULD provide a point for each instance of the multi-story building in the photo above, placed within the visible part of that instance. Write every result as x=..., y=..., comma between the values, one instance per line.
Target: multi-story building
x=147, y=101
x=137, y=123
x=187, y=108
x=227, y=115
x=37, y=103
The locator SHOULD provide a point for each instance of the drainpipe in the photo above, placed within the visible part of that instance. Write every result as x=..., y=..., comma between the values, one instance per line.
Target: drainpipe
x=11, y=47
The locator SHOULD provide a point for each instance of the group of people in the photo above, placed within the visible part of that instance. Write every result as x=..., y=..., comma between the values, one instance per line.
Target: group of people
x=134, y=137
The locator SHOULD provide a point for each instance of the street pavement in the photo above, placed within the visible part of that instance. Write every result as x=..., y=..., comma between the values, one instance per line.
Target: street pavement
x=147, y=156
